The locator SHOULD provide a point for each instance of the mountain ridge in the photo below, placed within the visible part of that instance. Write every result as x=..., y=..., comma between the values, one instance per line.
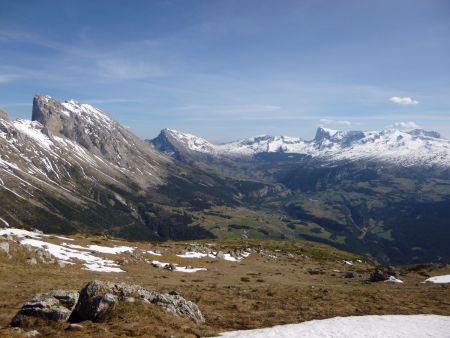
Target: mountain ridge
x=415, y=147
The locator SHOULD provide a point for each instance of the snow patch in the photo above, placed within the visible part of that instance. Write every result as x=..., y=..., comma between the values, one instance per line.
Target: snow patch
x=67, y=255
x=187, y=269
x=444, y=279
x=387, y=326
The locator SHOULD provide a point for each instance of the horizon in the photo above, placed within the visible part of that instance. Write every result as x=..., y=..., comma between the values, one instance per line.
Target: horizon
x=227, y=70
x=399, y=128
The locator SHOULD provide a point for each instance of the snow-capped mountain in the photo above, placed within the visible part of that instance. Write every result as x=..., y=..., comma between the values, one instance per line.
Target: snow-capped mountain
x=404, y=148
x=73, y=168
x=70, y=139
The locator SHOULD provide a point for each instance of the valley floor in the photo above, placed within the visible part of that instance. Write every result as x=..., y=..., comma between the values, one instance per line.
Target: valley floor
x=271, y=283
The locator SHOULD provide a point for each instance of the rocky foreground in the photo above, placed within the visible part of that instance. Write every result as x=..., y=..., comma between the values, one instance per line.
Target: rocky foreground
x=191, y=289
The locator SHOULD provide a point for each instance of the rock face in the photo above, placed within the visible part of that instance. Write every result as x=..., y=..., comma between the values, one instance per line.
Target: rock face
x=97, y=301
x=54, y=305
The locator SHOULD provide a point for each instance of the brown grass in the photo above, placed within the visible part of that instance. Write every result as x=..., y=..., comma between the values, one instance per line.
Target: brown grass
x=254, y=293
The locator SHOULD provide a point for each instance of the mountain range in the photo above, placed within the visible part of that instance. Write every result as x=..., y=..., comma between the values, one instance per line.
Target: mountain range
x=72, y=168
x=414, y=147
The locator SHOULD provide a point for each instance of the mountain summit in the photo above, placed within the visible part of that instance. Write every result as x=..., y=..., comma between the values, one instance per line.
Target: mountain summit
x=403, y=148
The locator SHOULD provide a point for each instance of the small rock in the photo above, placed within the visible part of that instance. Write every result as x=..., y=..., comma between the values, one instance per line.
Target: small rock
x=170, y=267
x=129, y=300
x=33, y=333
x=351, y=274
x=74, y=327
x=31, y=261
x=4, y=247
x=62, y=264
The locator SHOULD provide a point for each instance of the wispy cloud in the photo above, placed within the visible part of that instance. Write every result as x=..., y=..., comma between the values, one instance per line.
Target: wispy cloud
x=127, y=69
x=231, y=110
x=403, y=100
x=5, y=78
x=406, y=125
x=336, y=122
x=113, y=100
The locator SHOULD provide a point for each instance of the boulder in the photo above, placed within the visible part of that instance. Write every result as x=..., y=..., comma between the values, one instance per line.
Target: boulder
x=97, y=302
x=98, y=299
x=54, y=305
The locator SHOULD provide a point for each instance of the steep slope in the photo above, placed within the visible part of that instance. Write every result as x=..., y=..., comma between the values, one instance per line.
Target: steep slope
x=73, y=168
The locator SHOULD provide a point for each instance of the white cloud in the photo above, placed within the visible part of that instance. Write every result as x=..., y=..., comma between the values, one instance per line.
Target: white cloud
x=406, y=125
x=403, y=100
x=336, y=122
x=127, y=69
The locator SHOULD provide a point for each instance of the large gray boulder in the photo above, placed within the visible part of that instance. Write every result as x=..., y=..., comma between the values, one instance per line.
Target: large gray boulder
x=98, y=300
x=54, y=305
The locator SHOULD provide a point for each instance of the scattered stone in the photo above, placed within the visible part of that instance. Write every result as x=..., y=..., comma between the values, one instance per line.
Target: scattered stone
x=351, y=274
x=382, y=273
x=74, y=327
x=170, y=267
x=31, y=261
x=44, y=256
x=62, y=264
x=33, y=333
x=54, y=305
x=129, y=300
x=4, y=247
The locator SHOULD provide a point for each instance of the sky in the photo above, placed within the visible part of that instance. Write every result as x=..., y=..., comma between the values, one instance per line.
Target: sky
x=230, y=69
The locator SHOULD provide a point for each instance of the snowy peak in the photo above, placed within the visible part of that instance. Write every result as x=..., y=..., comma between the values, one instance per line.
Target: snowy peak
x=403, y=148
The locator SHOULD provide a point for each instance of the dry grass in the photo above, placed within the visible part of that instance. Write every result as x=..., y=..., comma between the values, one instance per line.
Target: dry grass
x=258, y=292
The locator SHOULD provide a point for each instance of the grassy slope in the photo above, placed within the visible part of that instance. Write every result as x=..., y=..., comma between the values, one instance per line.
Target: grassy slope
x=305, y=282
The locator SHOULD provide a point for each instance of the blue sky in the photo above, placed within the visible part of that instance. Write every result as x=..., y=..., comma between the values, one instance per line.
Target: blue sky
x=230, y=69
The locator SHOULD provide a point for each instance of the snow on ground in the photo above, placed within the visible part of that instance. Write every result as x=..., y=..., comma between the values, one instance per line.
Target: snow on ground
x=392, y=279
x=21, y=233
x=192, y=254
x=66, y=255
x=154, y=253
x=439, y=279
x=231, y=258
x=387, y=326
x=102, y=249
x=213, y=254
x=111, y=250
x=178, y=268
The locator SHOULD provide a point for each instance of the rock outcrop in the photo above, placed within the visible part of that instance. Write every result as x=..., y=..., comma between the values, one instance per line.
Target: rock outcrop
x=54, y=305
x=96, y=301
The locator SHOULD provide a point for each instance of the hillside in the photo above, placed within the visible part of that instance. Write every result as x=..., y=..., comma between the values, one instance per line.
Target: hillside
x=236, y=284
